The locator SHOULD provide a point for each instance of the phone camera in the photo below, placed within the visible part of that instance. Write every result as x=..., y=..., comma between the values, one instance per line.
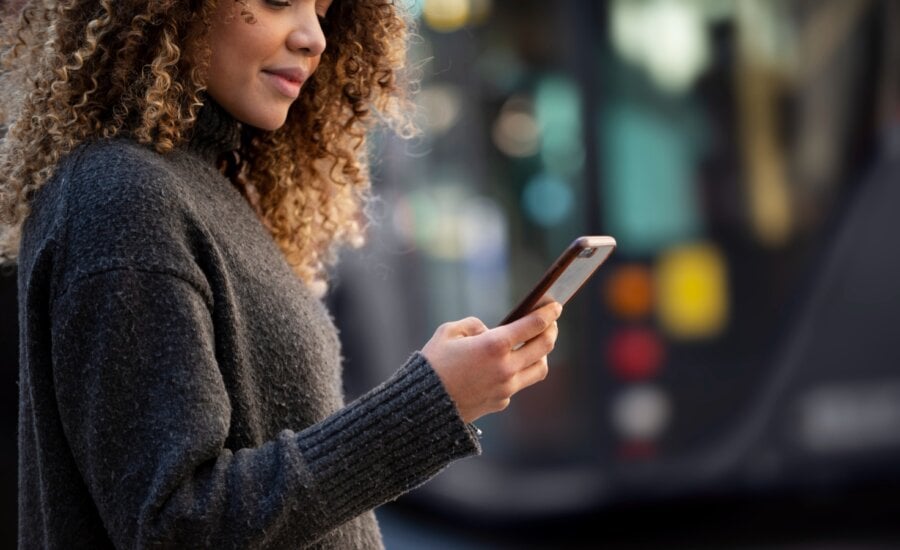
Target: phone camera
x=587, y=252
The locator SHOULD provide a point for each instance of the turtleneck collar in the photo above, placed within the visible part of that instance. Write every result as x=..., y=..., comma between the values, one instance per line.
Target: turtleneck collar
x=215, y=132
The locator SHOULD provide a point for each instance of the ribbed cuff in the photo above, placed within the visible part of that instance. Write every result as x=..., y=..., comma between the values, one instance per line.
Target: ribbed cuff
x=385, y=443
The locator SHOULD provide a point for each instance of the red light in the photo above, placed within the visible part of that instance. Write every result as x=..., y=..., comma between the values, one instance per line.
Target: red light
x=633, y=451
x=635, y=354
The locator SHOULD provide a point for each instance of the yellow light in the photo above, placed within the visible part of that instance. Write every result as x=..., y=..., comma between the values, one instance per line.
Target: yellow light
x=446, y=15
x=692, y=291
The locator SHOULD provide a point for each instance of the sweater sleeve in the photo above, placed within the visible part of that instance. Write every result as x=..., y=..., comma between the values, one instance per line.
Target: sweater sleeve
x=146, y=414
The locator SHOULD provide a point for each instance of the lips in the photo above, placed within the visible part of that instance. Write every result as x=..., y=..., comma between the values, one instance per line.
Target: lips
x=294, y=75
x=286, y=81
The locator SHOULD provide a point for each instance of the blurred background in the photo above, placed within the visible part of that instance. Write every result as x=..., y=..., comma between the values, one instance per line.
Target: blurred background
x=731, y=376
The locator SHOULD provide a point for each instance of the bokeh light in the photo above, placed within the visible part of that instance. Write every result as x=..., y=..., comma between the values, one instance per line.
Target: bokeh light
x=629, y=291
x=482, y=231
x=692, y=290
x=668, y=38
x=650, y=201
x=559, y=113
x=516, y=132
x=439, y=107
x=641, y=412
x=414, y=7
x=547, y=199
x=446, y=15
x=635, y=354
x=502, y=69
x=449, y=222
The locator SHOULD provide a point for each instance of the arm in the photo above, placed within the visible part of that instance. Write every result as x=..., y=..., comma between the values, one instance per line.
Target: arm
x=146, y=414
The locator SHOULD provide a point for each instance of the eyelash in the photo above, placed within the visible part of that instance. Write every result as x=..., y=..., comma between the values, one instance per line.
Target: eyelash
x=287, y=4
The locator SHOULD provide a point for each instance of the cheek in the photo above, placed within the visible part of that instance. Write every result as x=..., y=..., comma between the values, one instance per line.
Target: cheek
x=235, y=60
x=238, y=46
x=220, y=69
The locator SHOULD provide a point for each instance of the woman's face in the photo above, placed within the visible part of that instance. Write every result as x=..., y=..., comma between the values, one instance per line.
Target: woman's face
x=256, y=69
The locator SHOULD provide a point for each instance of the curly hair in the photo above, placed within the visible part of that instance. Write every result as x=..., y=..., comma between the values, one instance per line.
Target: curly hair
x=79, y=70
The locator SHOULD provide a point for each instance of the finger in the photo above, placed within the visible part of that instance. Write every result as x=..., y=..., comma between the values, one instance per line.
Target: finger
x=531, y=325
x=538, y=347
x=470, y=326
x=532, y=374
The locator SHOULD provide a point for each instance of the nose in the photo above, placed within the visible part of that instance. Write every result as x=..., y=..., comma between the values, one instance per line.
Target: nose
x=307, y=37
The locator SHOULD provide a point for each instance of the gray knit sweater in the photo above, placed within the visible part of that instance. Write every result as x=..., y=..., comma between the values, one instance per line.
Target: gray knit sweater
x=179, y=387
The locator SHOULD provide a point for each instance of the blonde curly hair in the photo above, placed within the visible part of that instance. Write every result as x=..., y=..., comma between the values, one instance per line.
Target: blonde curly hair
x=78, y=70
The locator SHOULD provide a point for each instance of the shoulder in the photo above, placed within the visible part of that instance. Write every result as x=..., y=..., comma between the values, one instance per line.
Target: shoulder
x=118, y=172
x=122, y=205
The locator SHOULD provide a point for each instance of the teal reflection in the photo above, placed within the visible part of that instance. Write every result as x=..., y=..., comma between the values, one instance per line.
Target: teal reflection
x=650, y=199
x=559, y=113
x=502, y=69
x=547, y=199
x=414, y=7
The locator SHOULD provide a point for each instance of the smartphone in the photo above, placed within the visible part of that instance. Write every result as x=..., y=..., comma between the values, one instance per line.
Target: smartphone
x=567, y=274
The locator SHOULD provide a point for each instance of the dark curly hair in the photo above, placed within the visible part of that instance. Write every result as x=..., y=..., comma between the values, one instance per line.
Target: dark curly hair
x=90, y=69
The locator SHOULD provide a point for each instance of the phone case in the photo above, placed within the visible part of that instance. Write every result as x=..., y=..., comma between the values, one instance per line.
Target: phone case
x=567, y=274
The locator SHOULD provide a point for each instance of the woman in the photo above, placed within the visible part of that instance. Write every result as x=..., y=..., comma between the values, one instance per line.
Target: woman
x=175, y=178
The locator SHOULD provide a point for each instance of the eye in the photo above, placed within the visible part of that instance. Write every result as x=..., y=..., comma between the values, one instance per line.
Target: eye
x=279, y=3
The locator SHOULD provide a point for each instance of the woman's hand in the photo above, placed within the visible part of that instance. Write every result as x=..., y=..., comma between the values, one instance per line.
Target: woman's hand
x=480, y=368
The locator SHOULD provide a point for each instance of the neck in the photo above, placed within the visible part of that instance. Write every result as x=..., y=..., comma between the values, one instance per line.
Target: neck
x=216, y=132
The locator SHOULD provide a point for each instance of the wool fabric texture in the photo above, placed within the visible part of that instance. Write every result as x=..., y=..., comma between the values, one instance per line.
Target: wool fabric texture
x=180, y=387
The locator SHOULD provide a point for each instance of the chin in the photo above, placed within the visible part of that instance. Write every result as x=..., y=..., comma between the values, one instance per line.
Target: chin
x=264, y=119
x=276, y=120
x=268, y=122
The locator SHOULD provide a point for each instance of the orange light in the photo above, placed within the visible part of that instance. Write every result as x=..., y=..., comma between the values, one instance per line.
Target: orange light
x=629, y=292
